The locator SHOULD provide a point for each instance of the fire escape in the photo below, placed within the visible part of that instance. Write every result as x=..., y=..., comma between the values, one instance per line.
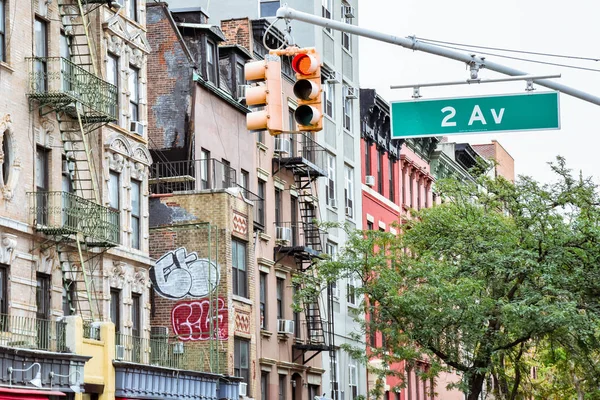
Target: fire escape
x=70, y=88
x=303, y=240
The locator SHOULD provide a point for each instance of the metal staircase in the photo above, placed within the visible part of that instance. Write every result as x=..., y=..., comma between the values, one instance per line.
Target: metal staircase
x=82, y=102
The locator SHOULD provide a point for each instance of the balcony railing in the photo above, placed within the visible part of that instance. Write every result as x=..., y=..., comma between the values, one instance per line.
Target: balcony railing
x=177, y=176
x=293, y=149
x=294, y=234
x=164, y=352
x=63, y=213
x=32, y=333
x=58, y=81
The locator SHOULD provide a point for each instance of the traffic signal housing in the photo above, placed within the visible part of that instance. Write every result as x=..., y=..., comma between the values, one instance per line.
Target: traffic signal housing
x=308, y=91
x=267, y=91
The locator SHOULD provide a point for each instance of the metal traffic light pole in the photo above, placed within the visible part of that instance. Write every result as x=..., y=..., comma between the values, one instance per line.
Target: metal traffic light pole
x=413, y=44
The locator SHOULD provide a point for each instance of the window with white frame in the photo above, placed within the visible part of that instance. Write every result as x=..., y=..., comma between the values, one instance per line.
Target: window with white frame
x=132, y=10
x=134, y=94
x=352, y=380
x=268, y=8
x=211, y=62
x=330, y=184
x=351, y=295
x=347, y=109
x=349, y=191
x=331, y=250
x=136, y=188
x=327, y=6
x=328, y=99
x=335, y=371
x=346, y=38
x=112, y=77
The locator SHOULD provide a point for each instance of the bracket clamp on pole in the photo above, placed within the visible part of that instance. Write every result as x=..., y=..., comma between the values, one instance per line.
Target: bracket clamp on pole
x=416, y=92
x=529, y=87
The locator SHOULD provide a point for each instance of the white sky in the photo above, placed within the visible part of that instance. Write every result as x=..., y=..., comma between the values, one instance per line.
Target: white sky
x=548, y=26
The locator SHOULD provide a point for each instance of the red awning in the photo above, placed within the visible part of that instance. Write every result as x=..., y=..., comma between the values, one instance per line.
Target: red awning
x=28, y=394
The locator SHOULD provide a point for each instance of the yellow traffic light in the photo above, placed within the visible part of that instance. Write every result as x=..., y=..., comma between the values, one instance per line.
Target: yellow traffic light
x=267, y=93
x=307, y=89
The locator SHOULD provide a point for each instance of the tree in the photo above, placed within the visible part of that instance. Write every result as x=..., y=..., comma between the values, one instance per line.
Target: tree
x=484, y=282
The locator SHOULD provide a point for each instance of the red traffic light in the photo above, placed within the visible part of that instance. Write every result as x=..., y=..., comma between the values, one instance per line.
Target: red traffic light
x=305, y=64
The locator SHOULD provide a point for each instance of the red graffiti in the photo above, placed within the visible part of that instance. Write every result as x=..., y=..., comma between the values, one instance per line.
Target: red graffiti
x=192, y=321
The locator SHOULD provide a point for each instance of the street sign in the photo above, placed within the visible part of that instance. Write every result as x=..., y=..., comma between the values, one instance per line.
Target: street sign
x=455, y=116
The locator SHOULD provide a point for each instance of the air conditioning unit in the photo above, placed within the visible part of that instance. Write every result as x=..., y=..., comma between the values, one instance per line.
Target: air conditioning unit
x=370, y=180
x=159, y=331
x=283, y=233
x=282, y=146
x=349, y=212
x=334, y=77
x=178, y=348
x=351, y=92
x=120, y=352
x=333, y=203
x=136, y=127
x=348, y=11
x=285, y=326
x=243, y=389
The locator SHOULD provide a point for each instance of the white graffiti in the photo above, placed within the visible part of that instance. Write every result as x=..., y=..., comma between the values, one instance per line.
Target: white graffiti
x=178, y=274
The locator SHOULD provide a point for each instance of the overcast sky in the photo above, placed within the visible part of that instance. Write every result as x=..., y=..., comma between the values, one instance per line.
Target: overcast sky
x=548, y=26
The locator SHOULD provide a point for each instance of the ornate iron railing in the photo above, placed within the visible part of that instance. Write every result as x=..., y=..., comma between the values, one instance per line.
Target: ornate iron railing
x=58, y=81
x=175, y=176
x=32, y=333
x=63, y=213
x=167, y=352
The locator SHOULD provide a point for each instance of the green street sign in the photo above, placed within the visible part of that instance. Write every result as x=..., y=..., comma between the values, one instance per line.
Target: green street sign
x=514, y=112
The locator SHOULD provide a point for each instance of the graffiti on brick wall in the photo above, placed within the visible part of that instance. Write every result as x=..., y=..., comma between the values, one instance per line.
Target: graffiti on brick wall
x=191, y=320
x=179, y=274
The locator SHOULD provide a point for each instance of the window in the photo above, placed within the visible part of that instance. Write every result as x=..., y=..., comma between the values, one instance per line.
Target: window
x=367, y=158
x=346, y=38
x=326, y=6
x=410, y=189
x=328, y=98
x=260, y=213
x=240, y=275
x=245, y=180
x=204, y=169
x=369, y=226
x=280, y=288
x=66, y=76
x=264, y=385
x=2, y=32
x=226, y=173
x=335, y=372
x=114, y=194
x=330, y=184
x=43, y=296
x=260, y=135
x=241, y=355
x=134, y=94
x=112, y=77
x=353, y=380
x=391, y=177
x=282, y=387
x=380, y=172
x=351, y=286
x=263, y=300
x=240, y=78
x=331, y=250
x=115, y=308
x=268, y=8
x=372, y=331
x=132, y=10
x=278, y=206
x=40, y=52
x=136, y=315
x=211, y=66
x=7, y=157
x=296, y=316
x=347, y=109
x=3, y=289
x=418, y=193
x=349, y=191
x=41, y=184
x=294, y=219
x=135, y=213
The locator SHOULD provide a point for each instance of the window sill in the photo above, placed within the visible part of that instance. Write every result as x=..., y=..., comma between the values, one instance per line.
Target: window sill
x=264, y=237
x=266, y=333
x=261, y=146
x=328, y=32
x=331, y=118
x=349, y=52
x=6, y=66
x=241, y=299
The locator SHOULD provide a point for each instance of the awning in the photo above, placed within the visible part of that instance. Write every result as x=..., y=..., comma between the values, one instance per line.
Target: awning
x=29, y=394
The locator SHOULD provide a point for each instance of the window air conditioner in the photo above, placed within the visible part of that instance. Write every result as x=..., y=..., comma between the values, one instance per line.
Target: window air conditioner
x=334, y=77
x=136, y=127
x=349, y=212
x=178, y=348
x=285, y=326
x=348, y=11
x=120, y=352
x=243, y=389
x=283, y=233
x=351, y=93
x=370, y=180
x=282, y=146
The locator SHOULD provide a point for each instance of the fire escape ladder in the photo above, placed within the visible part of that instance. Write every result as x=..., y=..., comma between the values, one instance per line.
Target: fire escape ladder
x=77, y=27
x=308, y=213
x=78, y=281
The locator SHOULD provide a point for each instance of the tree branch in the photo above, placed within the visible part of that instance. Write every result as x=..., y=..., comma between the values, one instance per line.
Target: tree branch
x=513, y=343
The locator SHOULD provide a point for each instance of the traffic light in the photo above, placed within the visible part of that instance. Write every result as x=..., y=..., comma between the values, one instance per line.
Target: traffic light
x=307, y=89
x=267, y=93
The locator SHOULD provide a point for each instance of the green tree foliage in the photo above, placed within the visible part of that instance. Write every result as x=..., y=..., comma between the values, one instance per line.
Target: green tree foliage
x=498, y=279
